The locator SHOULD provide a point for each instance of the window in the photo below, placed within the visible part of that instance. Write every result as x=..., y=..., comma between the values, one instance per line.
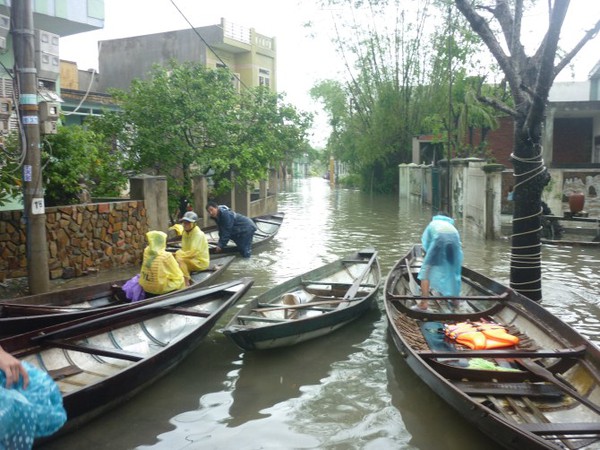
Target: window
x=264, y=77
x=235, y=80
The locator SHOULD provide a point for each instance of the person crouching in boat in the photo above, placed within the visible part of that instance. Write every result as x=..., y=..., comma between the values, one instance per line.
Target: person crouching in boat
x=160, y=271
x=237, y=227
x=441, y=268
x=193, y=255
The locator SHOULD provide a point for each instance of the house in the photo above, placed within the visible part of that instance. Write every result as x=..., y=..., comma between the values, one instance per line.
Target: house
x=570, y=145
x=251, y=56
x=80, y=94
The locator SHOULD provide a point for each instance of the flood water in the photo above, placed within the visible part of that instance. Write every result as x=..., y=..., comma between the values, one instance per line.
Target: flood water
x=348, y=390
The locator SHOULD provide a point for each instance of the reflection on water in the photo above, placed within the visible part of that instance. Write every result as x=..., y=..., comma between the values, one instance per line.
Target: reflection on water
x=350, y=389
x=254, y=393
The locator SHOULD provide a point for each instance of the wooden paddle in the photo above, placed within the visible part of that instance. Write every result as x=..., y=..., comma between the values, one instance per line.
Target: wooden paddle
x=544, y=373
x=357, y=283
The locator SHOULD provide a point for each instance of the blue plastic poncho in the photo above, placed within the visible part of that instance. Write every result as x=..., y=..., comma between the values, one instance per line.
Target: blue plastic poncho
x=26, y=414
x=443, y=256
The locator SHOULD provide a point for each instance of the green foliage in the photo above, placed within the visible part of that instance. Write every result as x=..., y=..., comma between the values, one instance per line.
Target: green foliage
x=74, y=160
x=407, y=74
x=10, y=181
x=350, y=181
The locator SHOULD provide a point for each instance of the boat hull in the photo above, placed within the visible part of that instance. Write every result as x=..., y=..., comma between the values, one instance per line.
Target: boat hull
x=23, y=314
x=334, y=295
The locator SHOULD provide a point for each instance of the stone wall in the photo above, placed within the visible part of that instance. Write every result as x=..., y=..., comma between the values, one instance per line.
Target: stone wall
x=80, y=238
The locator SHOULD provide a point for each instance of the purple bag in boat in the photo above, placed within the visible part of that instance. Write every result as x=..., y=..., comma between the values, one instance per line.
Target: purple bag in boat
x=133, y=290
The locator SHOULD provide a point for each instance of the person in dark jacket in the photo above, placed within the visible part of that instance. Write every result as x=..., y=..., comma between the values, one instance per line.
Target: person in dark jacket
x=237, y=227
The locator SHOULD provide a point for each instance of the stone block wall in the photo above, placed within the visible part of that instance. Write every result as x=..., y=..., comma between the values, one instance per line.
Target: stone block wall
x=80, y=238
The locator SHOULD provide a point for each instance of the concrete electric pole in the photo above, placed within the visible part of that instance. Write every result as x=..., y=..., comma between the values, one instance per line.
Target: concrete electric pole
x=33, y=195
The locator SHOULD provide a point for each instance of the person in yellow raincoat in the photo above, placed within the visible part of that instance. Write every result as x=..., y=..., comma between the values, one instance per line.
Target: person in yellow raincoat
x=160, y=271
x=193, y=255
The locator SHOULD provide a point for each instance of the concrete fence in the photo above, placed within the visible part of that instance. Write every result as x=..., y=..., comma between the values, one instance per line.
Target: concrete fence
x=112, y=234
x=476, y=191
x=90, y=236
x=80, y=238
x=479, y=190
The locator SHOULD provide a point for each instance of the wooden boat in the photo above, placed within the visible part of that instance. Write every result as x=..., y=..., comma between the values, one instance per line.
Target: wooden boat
x=27, y=313
x=543, y=393
x=103, y=360
x=309, y=305
x=579, y=232
x=267, y=227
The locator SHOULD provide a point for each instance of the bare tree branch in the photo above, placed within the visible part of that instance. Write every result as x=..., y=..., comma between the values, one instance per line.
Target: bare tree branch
x=589, y=35
x=545, y=70
x=497, y=104
x=482, y=28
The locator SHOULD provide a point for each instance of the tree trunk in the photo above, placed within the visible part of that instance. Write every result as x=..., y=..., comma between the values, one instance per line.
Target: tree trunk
x=530, y=178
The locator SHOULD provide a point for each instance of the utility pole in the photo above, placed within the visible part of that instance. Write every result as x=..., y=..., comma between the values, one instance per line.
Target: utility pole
x=450, y=121
x=33, y=195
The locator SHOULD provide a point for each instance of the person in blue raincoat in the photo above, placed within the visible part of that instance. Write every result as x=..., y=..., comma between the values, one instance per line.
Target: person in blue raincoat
x=30, y=403
x=237, y=227
x=441, y=268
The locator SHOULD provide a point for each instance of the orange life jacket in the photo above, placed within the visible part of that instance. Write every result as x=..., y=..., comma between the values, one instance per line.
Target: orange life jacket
x=480, y=335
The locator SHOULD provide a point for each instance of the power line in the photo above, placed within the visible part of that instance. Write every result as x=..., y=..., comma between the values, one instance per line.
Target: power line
x=207, y=44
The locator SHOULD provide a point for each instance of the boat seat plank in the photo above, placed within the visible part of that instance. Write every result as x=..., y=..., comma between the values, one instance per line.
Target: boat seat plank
x=395, y=297
x=87, y=348
x=271, y=222
x=187, y=312
x=327, y=283
x=266, y=307
x=355, y=261
x=509, y=389
x=562, y=428
x=63, y=372
x=337, y=285
x=261, y=319
x=510, y=353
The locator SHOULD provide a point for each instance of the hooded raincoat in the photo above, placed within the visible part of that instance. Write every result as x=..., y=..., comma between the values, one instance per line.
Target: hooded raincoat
x=193, y=254
x=160, y=272
x=443, y=256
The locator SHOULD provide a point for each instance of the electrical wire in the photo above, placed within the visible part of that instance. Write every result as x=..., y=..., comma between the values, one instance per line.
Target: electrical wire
x=207, y=44
x=85, y=96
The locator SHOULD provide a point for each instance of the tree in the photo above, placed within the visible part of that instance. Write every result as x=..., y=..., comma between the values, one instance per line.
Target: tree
x=382, y=48
x=187, y=119
x=76, y=160
x=529, y=79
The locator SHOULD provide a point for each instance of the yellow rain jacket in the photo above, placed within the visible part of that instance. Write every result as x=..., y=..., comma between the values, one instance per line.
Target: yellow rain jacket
x=193, y=254
x=160, y=272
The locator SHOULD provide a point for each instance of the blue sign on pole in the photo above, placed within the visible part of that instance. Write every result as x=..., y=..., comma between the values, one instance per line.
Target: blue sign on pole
x=27, y=173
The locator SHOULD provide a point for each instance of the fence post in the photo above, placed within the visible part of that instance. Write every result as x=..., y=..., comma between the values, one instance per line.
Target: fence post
x=153, y=191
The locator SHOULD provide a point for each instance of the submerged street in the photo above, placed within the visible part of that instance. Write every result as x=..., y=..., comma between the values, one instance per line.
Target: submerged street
x=350, y=389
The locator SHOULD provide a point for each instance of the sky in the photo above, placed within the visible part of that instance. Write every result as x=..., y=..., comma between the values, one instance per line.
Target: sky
x=305, y=55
